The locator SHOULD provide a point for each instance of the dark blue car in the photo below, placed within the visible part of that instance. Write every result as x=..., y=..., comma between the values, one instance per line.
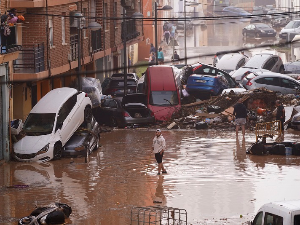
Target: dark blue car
x=232, y=11
x=207, y=81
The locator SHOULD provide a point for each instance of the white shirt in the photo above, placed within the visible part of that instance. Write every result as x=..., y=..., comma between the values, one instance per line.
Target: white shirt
x=159, y=144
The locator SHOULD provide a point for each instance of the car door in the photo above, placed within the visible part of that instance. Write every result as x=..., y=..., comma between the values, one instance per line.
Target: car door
x=66, y=122
x=289, y=86
x=270, y=83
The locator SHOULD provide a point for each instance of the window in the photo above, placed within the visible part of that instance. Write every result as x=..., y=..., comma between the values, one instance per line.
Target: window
x=297, y=220
x=289, y=84
x=258, y=219
x=51, y=42
x=63, y=29
x=241, y=63
x=112, y=104
x=273, y=219
x=65, y=110
x=270, y=64
x=165, y=98
x=268, y=81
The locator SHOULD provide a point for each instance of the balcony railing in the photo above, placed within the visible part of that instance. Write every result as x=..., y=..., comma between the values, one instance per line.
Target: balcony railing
x=31, y=59
x=8, y=43
x=96, y=41
x=129, y=30
x=74, y=47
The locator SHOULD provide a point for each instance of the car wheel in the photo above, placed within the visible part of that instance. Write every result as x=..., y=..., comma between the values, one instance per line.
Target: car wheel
x=113, y=122
x=57, y=151
x=88, y=114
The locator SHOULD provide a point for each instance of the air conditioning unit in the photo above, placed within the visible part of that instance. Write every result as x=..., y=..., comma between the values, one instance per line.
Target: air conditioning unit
x=74, y=19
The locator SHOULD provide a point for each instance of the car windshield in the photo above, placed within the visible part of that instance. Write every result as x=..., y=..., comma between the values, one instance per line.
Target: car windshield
x=164, y=98
x=39, y=124
x=120, y=83
x=257, y=61
x=262, y=26
x=292, y=24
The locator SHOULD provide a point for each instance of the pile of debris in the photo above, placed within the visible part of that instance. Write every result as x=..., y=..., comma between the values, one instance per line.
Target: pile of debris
x=217, y=112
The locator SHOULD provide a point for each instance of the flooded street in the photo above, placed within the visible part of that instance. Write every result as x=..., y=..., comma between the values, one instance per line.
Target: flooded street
x=209, y=175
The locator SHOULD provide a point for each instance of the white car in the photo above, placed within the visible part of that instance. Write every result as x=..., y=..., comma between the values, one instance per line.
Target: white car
x=293, y=27
x=262, y=61
x=51, y=123
x=281, y=213
x=231, y=62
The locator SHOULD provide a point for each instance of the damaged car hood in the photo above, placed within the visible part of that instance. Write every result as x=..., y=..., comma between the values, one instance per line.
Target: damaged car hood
x=31, y=144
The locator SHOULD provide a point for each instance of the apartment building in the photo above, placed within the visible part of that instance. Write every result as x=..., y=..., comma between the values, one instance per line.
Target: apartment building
x=61, y=39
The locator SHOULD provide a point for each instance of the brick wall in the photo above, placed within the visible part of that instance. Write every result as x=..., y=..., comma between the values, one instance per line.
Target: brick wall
x=35, y=32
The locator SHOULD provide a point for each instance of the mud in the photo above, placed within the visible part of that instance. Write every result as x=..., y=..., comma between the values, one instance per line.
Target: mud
x=209, y=175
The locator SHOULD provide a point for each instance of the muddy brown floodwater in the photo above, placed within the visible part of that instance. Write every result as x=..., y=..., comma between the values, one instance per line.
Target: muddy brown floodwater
x=209, y=175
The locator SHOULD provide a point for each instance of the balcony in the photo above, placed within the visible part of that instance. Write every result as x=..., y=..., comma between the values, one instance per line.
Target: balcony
x=31, y=59
x=129, y=30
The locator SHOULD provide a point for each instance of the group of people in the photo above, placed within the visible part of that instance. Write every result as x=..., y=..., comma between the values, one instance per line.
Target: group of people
x=169, y=32
x=160, y=56
x=153, y=55
x=240, y=113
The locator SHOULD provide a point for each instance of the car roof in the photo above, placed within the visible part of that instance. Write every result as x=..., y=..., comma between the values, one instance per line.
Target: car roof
x=284, y=205
x=229, y=61
x=53, y=100
x=266, y=74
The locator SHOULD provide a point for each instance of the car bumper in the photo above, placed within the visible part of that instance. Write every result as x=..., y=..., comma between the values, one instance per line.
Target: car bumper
x=71, y=153
x=267, y=34
x=149, y=120
x=32, y=157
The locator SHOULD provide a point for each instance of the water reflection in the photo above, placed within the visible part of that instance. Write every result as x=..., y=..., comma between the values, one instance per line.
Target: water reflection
x=159, y=197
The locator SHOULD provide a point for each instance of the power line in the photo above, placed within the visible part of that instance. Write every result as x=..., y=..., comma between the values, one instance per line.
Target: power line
x=139, y=65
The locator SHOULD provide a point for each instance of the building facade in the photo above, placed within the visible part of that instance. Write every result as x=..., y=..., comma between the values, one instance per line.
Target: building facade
x=59, y=42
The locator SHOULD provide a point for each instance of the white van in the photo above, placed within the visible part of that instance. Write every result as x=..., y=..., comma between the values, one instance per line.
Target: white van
x=278, y=213
x=292, y=27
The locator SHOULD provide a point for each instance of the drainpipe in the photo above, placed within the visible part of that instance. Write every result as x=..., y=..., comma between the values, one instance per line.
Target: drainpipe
x=48, y=47
x=6, y=116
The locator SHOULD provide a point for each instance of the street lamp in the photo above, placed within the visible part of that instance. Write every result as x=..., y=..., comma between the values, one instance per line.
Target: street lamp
x=91, y=26
x=192, y=4
x=164, y=8
x=135, y=15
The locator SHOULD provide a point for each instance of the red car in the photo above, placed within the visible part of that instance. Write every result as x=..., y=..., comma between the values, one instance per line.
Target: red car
x=163, y=91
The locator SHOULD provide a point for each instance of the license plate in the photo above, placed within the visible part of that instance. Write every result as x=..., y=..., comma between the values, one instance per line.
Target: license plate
x=201, y=81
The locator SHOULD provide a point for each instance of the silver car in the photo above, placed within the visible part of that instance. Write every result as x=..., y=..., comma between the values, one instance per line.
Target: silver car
x=231, y=62
x=264, y=61
x=271, y=81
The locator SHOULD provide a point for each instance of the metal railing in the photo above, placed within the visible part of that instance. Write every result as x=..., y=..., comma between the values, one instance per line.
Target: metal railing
x=268, y=129
x=157, y=215
x=31, y=59
x=74, y=47
x=129, y=30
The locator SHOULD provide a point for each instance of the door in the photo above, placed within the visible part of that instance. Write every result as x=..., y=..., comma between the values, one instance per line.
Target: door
x=270, y=83
x=289, y=86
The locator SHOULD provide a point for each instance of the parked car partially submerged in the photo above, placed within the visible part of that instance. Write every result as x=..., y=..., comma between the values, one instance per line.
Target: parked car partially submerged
x=51, y=123
x=115, y=86
x=85, y=139
x=278, y=213
x=131, y=110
